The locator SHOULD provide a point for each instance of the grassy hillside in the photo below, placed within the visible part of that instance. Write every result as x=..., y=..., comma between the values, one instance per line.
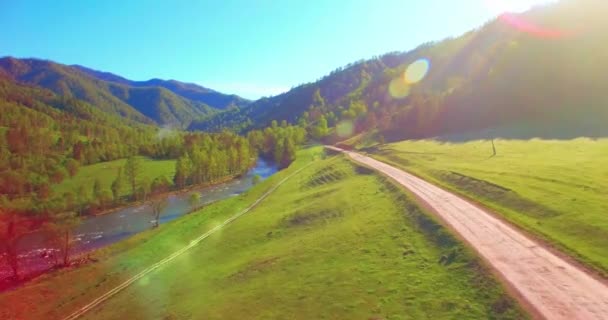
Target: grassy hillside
x=335, y=241
x=106, y=172
x=556, y=189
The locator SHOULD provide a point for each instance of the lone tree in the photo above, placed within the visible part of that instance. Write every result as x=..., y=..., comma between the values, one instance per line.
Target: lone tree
x=256, y=179
x=194, y=199
x=492, y=137
x=62, y=227
x=157, y=207
x=132, y=171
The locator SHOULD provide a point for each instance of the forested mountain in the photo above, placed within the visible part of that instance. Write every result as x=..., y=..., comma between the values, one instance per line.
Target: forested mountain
x=45, y=138
x=190, y=91
x=152, y=102
x=541, y=71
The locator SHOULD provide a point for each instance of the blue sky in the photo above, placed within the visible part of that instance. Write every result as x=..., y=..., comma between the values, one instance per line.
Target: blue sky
x=251, y=48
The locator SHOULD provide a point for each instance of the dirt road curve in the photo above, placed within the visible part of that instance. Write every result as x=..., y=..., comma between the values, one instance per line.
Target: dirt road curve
x=552, y=287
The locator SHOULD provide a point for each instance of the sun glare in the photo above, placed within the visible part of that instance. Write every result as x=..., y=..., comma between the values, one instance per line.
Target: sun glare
x=514, y=6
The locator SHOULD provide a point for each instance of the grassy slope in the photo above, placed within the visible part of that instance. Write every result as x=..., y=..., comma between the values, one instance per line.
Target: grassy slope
x=556, y=189
x=333, y=242
x=106, y=173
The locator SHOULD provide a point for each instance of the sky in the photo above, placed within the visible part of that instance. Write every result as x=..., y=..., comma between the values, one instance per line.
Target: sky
x=251, y=48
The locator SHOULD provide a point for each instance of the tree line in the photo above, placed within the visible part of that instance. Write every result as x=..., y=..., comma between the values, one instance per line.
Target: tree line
x=46, y=139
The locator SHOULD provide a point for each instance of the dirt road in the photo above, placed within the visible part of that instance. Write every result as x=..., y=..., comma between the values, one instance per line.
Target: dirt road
x=544, y=283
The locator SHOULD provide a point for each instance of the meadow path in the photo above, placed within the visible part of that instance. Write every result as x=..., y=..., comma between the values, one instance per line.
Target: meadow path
x=547, y=285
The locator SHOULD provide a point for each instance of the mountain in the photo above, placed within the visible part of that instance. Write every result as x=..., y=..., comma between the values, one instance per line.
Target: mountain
x=539, y=73
x=151, y=102
x=190, y=91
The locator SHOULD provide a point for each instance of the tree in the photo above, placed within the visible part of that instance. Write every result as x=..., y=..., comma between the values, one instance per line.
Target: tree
x=279, y=151
x=83, y=199
x=58, y=175
x=160, y=184
x=158, y=206
x=78, y=151
x=9, y=234
x=289, y=153
x=72, y=167
x=320, y=130
x=317, y=99
x=132, y=171
x=117, y=186
x=144, y=189
x=12, y=227
x=194, y=199
x=44, y=191
x=183, y=169
x=256, y=179
x=97, y=191
x=63, y=226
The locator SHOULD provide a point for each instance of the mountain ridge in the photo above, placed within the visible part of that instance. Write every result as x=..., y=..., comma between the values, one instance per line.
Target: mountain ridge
x=150, y=102
x=540, y=67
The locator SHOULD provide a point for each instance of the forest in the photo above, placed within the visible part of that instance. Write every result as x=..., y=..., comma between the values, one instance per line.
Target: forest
x=46, y=138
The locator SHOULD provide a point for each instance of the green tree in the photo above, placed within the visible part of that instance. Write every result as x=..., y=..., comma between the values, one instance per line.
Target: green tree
x=97, y=190
x=183, y=170
x=320, y=130
x=317, y=99
x=83, y=200
x=117, y=186
x=289, y=153
x=145, y=187
x=160, y=184
x=194, y=199
x=132, y=171
x=256, y=179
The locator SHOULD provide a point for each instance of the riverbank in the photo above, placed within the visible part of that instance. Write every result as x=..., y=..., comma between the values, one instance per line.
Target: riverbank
x=333, y=240
x=97, y=231
x=156, y=196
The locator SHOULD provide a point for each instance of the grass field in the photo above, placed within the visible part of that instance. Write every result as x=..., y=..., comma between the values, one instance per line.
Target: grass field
x=106, y=172
x=334, y=241
x=556, y=189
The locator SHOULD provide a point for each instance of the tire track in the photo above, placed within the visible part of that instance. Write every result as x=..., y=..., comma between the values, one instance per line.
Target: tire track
x=80, y=312
x=546, y=284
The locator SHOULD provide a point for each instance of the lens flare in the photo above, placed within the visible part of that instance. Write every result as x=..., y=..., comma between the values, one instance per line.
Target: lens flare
x=502, y=6
x=512, y=13
x=519, y=23
x=398, y=88
x=417, y=71
x=345, y=129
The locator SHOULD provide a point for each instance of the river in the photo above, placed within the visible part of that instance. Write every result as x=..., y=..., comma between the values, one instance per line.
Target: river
x=98, y=231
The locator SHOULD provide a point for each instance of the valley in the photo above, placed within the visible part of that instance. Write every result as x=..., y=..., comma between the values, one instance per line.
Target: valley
x=317, y=160
x=278, y=259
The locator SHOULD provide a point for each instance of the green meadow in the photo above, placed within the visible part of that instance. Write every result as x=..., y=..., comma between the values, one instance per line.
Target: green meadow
x=557, y=189
x=106, y=173
x=334, y=241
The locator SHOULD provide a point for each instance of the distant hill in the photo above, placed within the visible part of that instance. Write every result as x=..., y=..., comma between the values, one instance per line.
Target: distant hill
x=151, y=102
x=543, y=69
x=191, y=91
